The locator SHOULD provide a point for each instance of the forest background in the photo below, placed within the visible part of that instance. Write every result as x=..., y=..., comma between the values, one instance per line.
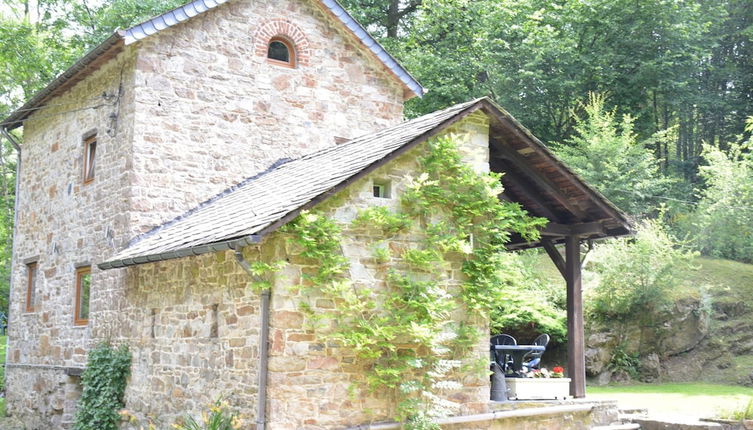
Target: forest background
x=646, y=99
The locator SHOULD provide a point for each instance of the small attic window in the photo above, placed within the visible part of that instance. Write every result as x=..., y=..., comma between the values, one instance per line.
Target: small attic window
x=382, y=189
x=281, y=52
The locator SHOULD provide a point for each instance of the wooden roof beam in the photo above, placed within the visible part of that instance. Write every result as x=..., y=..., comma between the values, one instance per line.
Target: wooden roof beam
x=523, y=164
x=584, y=229
x=531, y=194
x=555, y=255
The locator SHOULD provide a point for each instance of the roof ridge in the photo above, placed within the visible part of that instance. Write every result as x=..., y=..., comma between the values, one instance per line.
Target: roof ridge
x=386, y=130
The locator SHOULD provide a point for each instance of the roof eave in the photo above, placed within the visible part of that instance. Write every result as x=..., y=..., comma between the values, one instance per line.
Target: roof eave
x=15, y=119
x=601, y=201
x=184, y=252
x=336, y=9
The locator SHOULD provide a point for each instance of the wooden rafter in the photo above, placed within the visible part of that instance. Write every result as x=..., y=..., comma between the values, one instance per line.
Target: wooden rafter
x=524, y=165
x=530, y=193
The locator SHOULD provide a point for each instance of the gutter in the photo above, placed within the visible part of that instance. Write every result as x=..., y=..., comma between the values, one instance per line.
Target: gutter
x=496, y=415
x=185, y=252
x=266, y=295
x=16, y=198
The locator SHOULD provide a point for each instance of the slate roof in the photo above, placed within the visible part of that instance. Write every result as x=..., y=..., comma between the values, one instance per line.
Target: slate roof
x=260, y=204
x=114, y=44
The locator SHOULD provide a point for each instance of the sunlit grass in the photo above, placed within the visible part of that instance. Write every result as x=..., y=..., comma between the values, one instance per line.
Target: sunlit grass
x=691, y=399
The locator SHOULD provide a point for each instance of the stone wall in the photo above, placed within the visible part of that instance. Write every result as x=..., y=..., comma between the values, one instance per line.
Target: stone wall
x=212, y=110
x=199, y=108
x=64, y=223
x=310, y=378
x=193, y=330
x=193, y=326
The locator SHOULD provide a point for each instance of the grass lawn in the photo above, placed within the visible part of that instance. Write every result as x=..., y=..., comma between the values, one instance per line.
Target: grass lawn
x=690, y=400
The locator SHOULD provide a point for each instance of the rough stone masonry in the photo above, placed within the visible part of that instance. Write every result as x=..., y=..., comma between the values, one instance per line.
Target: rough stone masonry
x=186, y=114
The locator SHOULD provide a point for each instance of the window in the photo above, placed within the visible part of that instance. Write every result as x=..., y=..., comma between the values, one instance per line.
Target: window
x=90, y=153
x=31, y=286
x=281, y=52
x=83, y=288
x=381, y=189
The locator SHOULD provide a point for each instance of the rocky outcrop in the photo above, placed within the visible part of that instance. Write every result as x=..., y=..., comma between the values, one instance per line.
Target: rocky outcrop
x=681, y=331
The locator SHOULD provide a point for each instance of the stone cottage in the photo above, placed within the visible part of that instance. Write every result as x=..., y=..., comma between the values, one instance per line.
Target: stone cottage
x=156, y=167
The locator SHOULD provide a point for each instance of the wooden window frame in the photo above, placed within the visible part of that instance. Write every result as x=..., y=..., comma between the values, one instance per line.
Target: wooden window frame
x=31, y=281
x=90, y=158
x=291, y=53
x=80, y=273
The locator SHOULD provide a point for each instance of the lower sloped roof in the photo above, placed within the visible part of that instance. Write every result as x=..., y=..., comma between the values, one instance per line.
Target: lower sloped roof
x=260, y=204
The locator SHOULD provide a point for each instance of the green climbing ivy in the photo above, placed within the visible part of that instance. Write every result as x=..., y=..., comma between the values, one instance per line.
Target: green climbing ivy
x=414, y=332
x=104, y=382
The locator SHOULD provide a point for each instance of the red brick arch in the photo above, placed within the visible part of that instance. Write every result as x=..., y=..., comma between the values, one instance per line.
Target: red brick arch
x=287, y=30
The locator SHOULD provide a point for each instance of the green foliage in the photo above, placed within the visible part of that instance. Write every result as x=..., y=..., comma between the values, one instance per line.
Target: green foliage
x=381, y=218
x=630, y=279
x=622, y=361
x=104, y=382
x=722, y=224
x=406, y=331
x=743, y=412
x=532, y=305
x=220, y=417
x=3, y=352
x=261, y=272
x=607, y=154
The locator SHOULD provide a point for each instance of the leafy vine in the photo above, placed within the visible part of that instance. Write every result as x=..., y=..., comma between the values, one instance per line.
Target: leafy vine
x=104, y=382
x=438, y=293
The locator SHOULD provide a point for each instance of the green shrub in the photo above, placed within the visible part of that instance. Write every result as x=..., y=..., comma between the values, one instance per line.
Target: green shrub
x=631, y=279
x=532, y=305
x=622, y=361
x=104, y=382
x=220, y=417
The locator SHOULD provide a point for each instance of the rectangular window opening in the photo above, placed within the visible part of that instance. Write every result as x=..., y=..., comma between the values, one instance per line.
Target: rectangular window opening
x=382, y=190
x=90, y=154
x=83, y=289
x=31, y=287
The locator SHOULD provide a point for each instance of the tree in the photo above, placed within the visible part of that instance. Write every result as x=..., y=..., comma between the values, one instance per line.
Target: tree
x=606, y=153
x=722, y=224
x=384, y=18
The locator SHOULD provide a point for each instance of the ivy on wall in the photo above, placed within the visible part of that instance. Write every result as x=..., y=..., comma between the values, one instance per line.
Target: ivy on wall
x=437, y=293
x=104, y=382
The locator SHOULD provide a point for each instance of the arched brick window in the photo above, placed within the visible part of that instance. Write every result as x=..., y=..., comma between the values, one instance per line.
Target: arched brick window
x=275, y=37
x=281, y=51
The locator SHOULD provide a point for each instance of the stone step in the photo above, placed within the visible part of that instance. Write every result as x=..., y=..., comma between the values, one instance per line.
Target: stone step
x=627, y=426
x=633, y=411
x=630, y=417
x=667, y=424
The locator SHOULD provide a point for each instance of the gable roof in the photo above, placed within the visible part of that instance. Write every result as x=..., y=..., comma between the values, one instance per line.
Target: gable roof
x=114, y=44
x=259, y=205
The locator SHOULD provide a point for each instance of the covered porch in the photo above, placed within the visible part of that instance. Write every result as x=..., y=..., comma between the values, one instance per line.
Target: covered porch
x=577, y=214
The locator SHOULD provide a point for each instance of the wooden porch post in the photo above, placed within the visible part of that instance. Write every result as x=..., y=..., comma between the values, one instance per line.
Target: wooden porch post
x=576, y=363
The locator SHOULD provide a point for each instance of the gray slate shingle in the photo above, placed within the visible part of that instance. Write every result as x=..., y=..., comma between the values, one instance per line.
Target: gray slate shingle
x=259, y=201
